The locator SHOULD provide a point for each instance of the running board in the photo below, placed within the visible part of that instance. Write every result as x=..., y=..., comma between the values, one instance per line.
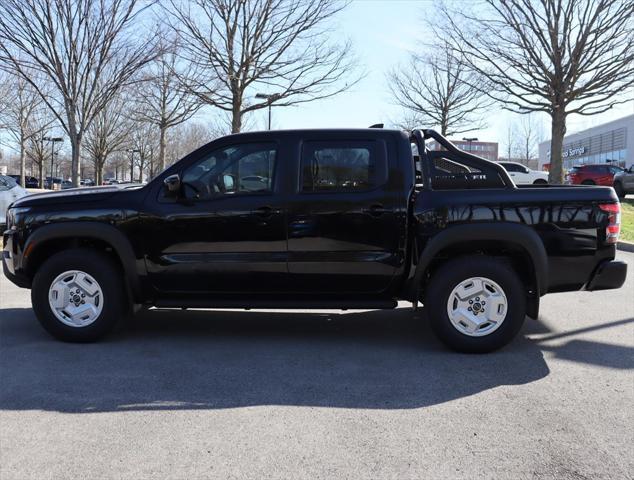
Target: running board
x=317, y=304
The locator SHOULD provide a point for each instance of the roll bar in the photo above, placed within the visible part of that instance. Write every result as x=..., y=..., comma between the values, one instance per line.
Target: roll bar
x=418, y=137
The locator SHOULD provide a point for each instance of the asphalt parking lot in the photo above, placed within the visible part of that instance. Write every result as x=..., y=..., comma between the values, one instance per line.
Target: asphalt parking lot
x=226, y=394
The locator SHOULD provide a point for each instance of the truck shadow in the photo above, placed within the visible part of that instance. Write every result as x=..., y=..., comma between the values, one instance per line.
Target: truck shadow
x=209, y=360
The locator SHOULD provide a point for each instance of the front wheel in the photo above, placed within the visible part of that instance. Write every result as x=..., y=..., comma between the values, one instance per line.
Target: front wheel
x=476, y=304
x=77, y=295
x=540, y=181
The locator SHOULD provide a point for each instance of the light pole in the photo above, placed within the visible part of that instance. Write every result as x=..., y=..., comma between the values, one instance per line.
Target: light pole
x=132, y=151
x=270, y=99
x=470, y=141
x=52, y=140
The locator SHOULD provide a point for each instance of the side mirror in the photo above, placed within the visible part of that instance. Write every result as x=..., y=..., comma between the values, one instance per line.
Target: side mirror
x=229, y=182
x=173, y=184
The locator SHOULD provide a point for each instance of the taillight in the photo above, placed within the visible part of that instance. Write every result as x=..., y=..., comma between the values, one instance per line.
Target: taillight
x=614, y=224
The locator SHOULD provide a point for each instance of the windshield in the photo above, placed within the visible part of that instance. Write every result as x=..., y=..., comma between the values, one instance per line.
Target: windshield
x=7, y=183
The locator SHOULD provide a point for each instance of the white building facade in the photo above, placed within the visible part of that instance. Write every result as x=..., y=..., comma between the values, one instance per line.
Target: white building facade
x=611, y=142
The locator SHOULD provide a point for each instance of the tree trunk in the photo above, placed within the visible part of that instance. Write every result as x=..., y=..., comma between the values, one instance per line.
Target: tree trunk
x=236, y=116
x=444, y=123
x=75, y=167
x=99, y=171
x=22, y=162
x=558, y=130
x=40, y=167
x=132, y=167
x=162, y=142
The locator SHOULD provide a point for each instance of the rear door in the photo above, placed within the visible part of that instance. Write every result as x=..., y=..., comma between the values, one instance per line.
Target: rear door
x=345, y=220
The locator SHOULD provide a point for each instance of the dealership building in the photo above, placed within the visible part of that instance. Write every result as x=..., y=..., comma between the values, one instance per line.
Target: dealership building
x=612, y=142
x=488, y=150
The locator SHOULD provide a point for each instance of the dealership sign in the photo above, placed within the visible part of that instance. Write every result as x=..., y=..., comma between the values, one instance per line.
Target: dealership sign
x=573, y=152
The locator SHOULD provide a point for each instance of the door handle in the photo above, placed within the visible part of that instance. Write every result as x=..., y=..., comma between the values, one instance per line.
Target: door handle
x=266, y=211
x=376, y=210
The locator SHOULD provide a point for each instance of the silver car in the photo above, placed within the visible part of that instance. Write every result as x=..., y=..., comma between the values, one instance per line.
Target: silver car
x=624, y=182
x=10, y=191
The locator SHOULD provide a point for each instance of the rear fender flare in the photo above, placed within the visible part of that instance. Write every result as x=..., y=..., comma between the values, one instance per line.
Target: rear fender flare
x=522, y=236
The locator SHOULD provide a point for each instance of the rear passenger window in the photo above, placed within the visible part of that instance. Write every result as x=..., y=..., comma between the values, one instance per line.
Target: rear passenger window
x=342, y=166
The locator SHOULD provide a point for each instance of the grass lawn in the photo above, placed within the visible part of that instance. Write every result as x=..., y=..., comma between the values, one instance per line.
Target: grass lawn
x=627, y=220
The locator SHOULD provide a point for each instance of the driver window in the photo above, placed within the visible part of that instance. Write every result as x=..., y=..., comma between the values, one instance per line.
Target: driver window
x=239, y=169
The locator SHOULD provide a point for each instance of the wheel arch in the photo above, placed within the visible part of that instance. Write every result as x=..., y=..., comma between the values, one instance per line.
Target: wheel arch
x=49, y=239
x=519, y=243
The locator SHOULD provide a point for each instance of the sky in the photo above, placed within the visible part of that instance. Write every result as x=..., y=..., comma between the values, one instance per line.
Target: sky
x=383, y=33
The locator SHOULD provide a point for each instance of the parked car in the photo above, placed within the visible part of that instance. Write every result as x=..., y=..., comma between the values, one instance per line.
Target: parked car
x=10, y=191
x=459, y=237
x=87, y=182
x=523, y=175
x=624, y=182
x=29, y=181
x=593, y=174
x=55, y=180
x=66, y=184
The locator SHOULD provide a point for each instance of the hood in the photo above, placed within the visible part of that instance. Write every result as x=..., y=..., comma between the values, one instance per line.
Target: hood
x=72, y=195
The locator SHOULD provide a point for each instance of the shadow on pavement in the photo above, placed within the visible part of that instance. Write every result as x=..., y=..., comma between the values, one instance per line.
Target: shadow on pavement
x=191, y=359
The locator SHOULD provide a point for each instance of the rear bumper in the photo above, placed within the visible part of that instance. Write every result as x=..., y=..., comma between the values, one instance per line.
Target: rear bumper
x=610, y=274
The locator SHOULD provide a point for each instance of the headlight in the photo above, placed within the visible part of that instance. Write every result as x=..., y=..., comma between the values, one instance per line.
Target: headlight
x=13, y=216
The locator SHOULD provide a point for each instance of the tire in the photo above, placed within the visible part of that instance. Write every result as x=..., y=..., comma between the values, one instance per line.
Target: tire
x=620, y=191
x=588, y=182
x=99, y=306
x=540, y=181
x=497, y=275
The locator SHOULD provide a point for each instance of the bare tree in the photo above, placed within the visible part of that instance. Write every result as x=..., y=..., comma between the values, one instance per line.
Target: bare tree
x=279, y=48
x=143, y=142
x=556, y=56
x=84, y=48
x=437, y=90
x=163, y=100
x=510, y=141
x=39, y=155
x=107, y=134
x=22, y=116
x=529, y=133
x=189, y=136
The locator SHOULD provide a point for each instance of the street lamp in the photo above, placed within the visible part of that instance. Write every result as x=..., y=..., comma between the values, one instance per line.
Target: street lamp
x=132, y=151
x=470, y=141
x=270, y=99
x=52, y=140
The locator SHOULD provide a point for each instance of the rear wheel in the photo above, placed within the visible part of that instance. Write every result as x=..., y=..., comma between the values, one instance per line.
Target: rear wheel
x=540, y=181
x=476, y=304
x=588, y=182
x=77, y=295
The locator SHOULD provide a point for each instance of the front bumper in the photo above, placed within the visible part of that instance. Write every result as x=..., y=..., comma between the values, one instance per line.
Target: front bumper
x=8, y=263
x=608, y=275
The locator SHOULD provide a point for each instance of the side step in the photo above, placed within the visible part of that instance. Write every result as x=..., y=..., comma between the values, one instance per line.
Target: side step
x=310, y=304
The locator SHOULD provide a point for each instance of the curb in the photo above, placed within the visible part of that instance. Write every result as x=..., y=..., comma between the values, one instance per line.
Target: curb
x=625, y=246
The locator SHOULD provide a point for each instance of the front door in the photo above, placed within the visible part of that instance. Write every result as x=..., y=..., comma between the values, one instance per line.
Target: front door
x=343, y=227
x=226, y=232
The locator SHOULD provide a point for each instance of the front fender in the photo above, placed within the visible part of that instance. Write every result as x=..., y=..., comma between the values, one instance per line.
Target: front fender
x=132, y=267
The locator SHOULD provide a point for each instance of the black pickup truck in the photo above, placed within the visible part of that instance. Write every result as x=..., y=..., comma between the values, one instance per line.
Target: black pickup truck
x=316, y=219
